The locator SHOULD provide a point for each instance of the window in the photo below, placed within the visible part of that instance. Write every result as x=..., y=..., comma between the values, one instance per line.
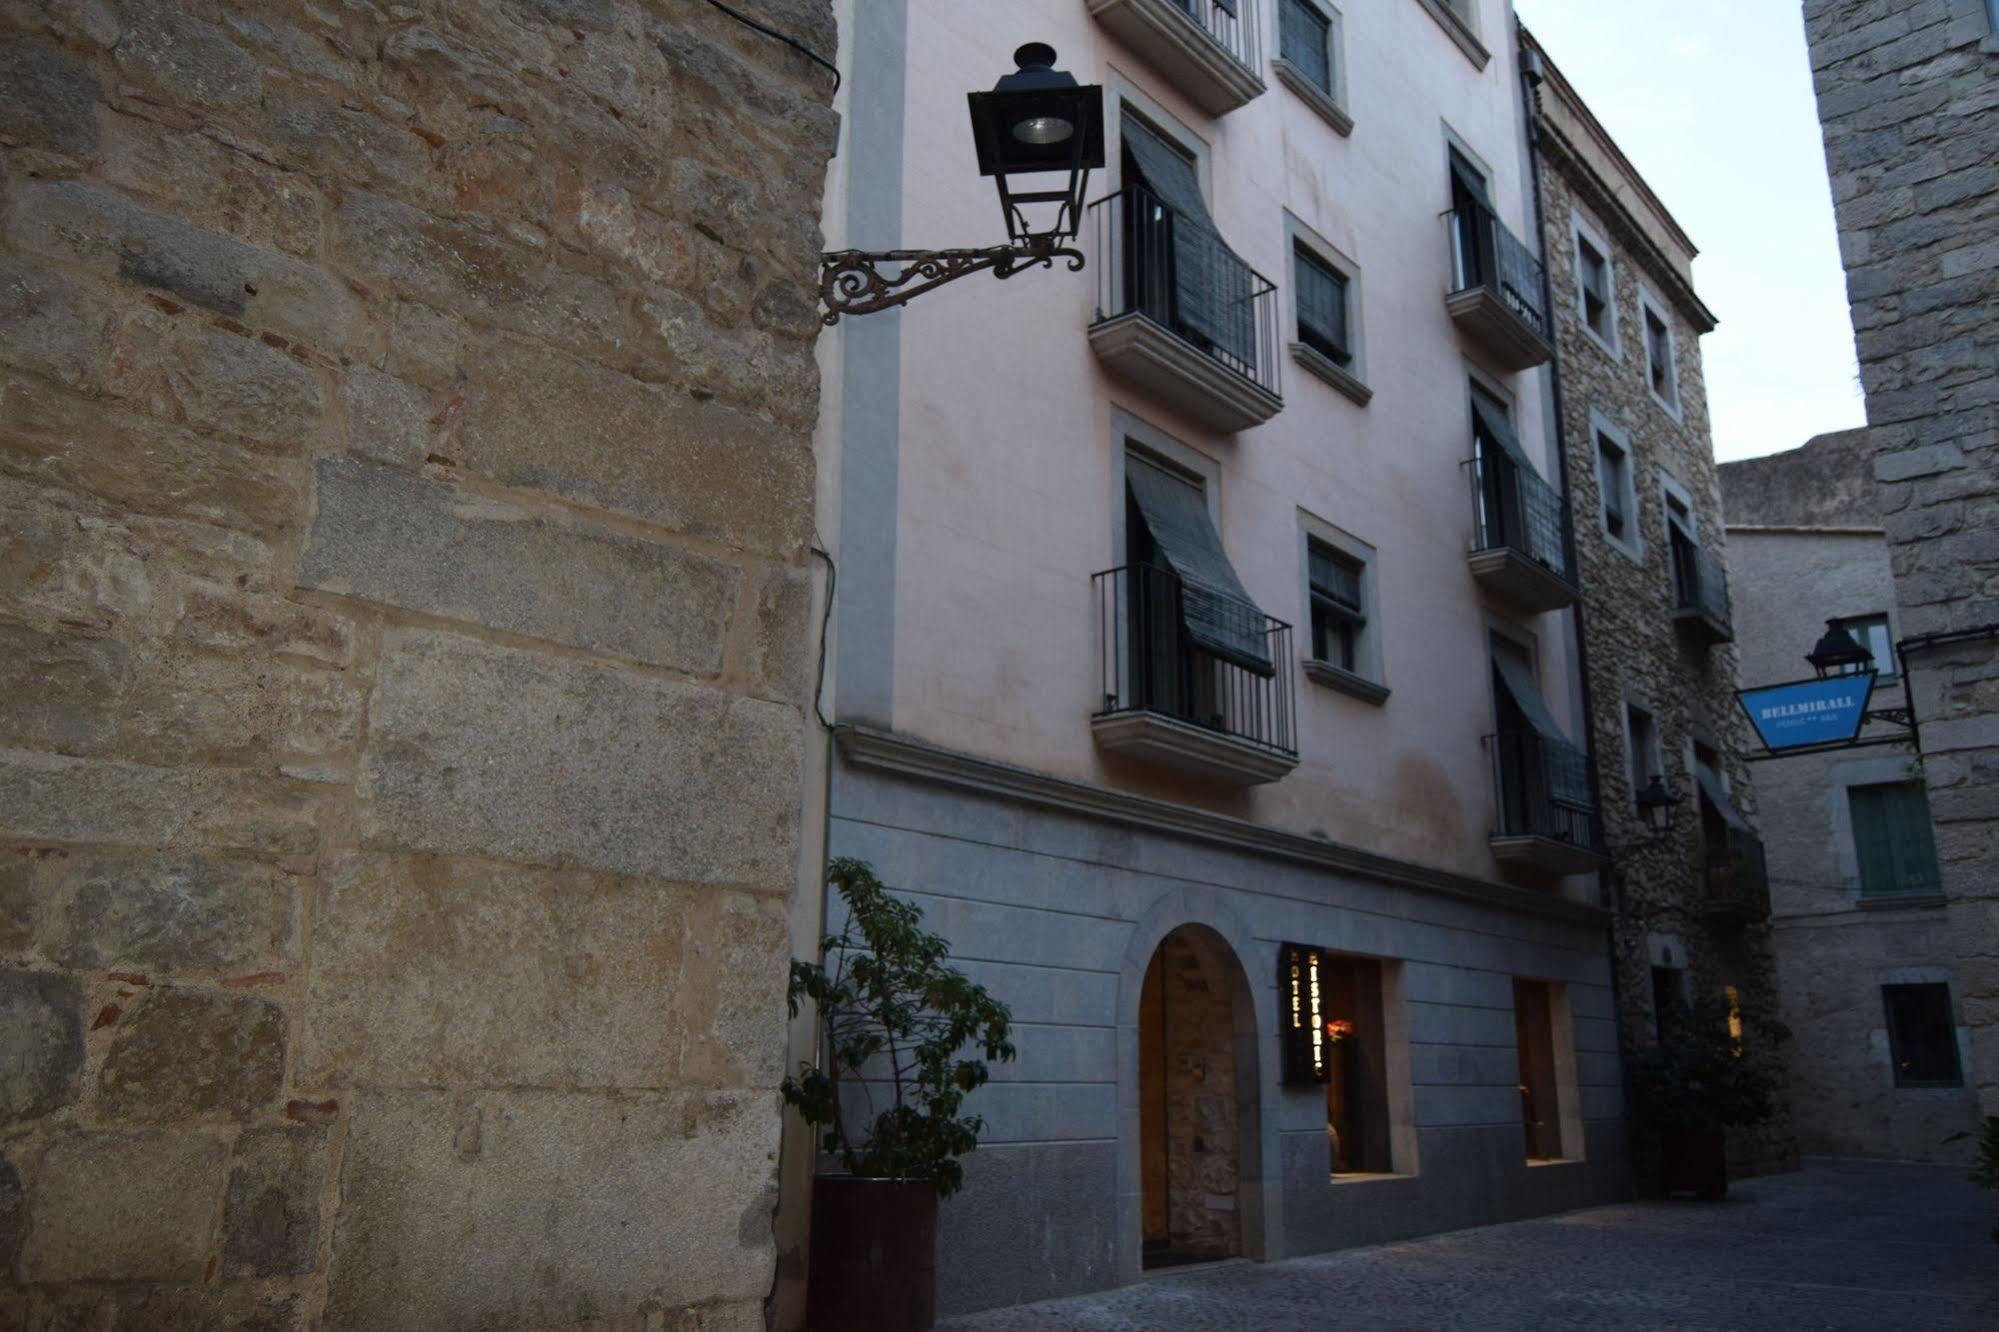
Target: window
x=1643, y=737
x=1535, y=1027
x=1892, y=839
x=1613, y=482
x=1661, y=372
x=1922, y=1039
x=1339, y=616
x=1872, y=633
x=1596, y=292
x=1669, y=996
x=1305, y=38
x=1357, y=1120
x=1322, y=307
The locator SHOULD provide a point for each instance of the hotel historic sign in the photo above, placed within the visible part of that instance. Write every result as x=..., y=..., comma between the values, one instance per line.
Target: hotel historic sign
x=1303, y=1015
x=1809, y=712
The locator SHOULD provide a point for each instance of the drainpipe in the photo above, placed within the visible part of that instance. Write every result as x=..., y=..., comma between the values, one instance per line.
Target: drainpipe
x=1531, y=75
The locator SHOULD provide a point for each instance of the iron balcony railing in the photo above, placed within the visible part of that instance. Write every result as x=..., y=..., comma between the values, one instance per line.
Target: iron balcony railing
x=1544, y=789
x=1234, y=27
x=1514, y=508
x=1699, y=583
x=1485, y=254
x=1151, y=664
x=1177, y=272
x=1738, y=879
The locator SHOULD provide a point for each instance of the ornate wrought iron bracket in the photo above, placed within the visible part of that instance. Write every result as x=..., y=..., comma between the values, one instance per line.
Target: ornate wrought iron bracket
x=853, y=281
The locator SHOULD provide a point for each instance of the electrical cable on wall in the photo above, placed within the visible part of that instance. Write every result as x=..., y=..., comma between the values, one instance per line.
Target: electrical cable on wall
x=791, y=42
x=825, y=619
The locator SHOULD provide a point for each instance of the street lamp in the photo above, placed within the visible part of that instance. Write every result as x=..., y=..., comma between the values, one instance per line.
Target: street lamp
x=1836, y=653
x=1655, y=806
x=1037, y=128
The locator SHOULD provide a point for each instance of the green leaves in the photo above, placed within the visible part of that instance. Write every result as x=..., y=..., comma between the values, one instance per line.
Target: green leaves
x=892, y=1011
x=1702, y=1076
x=1985, y=1172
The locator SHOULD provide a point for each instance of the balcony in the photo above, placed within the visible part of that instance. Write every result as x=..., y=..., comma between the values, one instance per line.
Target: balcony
x=1520, y=530
x=1700, y=594
x=1547, y=805
x=1496, y=294
x=1180, y=316
x=1210, y=51
x=1165, y=700
x=1737, y=882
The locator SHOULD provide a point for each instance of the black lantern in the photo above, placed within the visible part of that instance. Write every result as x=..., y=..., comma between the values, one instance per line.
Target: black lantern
x=1038, y=122
x=1655, y=805
x=1836, y=653
x=1038, y=135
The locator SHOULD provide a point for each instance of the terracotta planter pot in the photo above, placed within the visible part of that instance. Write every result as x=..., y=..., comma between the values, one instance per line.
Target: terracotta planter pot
x=1694, y=1161
x=874, y=1255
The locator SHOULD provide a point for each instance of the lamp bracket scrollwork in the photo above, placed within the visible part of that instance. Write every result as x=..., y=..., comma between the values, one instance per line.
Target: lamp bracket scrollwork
x=856, y=282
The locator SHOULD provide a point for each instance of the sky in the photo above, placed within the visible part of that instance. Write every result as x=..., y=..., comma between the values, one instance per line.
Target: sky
x=1712, y=102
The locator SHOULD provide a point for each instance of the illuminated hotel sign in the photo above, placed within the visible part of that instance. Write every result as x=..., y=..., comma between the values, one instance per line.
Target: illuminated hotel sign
x=1307, y=1052
x=1810, y=712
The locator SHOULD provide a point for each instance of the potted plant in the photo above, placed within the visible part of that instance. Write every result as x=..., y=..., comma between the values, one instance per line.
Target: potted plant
x=900, y=1027
x=1684, y=1093
x=1985, y=1170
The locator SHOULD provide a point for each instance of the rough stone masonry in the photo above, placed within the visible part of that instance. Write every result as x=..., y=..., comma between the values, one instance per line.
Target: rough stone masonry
x=406, y=486
x=1908, y=96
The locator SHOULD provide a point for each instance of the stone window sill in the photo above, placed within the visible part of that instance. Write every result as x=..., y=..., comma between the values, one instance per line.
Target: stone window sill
x=1631, y=550
x=1556, y=1161
x=1365, y=1177
x=1912, y=901
x=1459, y=30
x=1989, y=45
x=1335, y=677
x=1608, y=346
x=1324, y=367
x=1670, y=406
x=1323, y=103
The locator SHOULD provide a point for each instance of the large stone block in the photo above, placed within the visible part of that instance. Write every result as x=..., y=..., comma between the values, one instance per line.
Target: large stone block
x=41, y=1043
x=227, y=188
x=481, y=750
x=174, y=912
x=387, y=419
x=187, y=1055
x=539, y=419
x=730, y=1000
x=51, y=798
x=539, y=1209
x=47, y=98
x=270, y=1223
x=432, y=972
x=123, y=1207
x=784, y=648
x=102, y=230
x=385, y=535
x=239, y=1308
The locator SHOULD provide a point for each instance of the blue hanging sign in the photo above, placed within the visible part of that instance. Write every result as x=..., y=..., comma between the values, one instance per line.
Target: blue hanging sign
x=1809, y=712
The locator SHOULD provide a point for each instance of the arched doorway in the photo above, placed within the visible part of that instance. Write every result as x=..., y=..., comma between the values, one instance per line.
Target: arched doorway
x=1196, y=1051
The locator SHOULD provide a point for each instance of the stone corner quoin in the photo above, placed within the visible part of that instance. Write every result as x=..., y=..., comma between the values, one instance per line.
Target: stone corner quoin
x=405, y=487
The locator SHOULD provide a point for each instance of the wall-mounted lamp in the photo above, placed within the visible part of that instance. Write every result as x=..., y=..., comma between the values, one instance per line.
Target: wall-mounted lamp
x=1655, y=806
x=1838, y=653
x=1037, y=122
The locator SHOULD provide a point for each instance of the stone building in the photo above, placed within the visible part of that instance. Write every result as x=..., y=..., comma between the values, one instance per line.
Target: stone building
x=1908, y=94
x=1198, y=617
x=1658, y=631
x=1878, y=1068
x=405, y=459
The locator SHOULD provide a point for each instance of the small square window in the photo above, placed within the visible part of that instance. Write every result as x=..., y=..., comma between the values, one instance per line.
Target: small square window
x=1613, y=481
x=1339, y=607
x=1322, y=307
x=1922, y=1039
x=1660, y=371
x=1644, y=738
x=1872, y=633
x=1593, y=280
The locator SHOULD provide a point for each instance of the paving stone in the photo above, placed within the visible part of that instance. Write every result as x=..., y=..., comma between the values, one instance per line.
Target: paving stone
x=182, y=1055
x=41, y=1043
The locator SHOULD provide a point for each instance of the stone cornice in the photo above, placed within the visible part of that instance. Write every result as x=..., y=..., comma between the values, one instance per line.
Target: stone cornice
x=883, y=751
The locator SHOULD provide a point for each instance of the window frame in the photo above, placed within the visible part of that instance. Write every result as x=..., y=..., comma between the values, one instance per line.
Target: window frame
x=1349, y=379
x=1582, y=232
x=1650, y=308
x=1631, y=541
x=1368, y=682
x=1654, y=755
x=1460, y=19
x=1899, y=892
x=1328, y=103
x=1949, y=1042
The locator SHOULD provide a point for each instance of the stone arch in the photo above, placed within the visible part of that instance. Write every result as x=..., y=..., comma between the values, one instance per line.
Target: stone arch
x=1230, y=943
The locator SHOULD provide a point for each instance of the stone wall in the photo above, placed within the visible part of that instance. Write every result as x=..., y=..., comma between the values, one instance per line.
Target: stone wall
x=1908, y=94
x=1202, y=1124
x=1634, y=649
x=403, y=625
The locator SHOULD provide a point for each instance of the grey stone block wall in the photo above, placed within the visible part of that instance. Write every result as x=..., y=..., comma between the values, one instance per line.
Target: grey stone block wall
x=1050, y=911
x=1908, y=94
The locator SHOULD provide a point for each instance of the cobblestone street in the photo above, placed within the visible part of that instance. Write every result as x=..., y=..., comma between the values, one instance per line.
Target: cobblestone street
x=1840, y=1244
